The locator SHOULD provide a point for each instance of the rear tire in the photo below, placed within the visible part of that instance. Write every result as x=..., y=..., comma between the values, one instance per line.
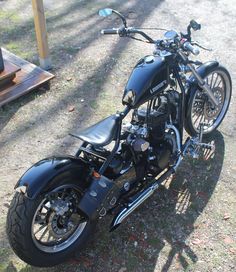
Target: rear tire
x=200, y=109
x=20, y=218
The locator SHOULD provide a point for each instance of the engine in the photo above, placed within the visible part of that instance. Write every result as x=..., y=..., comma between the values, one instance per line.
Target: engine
x=147, y=134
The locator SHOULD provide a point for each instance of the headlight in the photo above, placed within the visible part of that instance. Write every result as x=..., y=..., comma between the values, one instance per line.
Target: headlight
x=129, y=98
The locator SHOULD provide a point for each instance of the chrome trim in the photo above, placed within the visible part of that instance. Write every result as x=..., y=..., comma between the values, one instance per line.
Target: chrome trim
x=132, y=206
x=203, y=84
x=58, y=247
x=176, y=131
x=21, y=189
x=200, y=80
x=149, y=191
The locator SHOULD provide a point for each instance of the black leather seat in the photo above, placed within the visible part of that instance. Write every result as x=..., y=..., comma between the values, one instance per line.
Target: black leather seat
x=101, y=133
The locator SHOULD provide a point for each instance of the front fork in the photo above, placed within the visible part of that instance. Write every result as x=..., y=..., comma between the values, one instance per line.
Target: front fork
x=200, y=80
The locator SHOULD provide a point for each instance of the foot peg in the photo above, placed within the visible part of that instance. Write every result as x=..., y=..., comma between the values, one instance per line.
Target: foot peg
x=195, y=145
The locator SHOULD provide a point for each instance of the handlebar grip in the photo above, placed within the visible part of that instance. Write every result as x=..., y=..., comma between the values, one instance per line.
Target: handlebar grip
x=188, y=46
x=110, y=31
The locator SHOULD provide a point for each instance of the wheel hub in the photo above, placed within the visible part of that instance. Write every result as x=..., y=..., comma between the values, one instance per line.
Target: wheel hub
x=59, y=226
x=57, y=223
x=60, y=206
x=210, y=111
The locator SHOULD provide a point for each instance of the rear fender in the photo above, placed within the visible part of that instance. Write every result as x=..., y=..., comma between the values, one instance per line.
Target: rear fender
x=40, y=178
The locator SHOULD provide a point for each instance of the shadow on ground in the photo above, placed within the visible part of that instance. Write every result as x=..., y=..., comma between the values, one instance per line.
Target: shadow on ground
x=164, y=223
x=63, y=46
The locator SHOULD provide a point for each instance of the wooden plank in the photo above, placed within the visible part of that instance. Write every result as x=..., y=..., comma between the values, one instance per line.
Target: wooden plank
x=41, y=34
x=28, y=78
x=10, y=69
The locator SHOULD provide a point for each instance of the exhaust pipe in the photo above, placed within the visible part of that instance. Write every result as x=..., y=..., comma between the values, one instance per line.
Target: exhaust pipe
x=140, y=198
x=132, y=206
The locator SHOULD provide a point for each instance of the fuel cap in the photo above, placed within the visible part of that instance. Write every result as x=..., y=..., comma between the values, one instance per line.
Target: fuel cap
x=149, y=59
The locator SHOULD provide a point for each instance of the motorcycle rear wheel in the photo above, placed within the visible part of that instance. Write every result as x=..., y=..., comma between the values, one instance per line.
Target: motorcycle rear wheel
x=200, y=109
x=47, y=230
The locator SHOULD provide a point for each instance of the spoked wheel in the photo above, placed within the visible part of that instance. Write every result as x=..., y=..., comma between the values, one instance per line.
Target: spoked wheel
x=57, y=223
x=202, y=111
x=47, y=230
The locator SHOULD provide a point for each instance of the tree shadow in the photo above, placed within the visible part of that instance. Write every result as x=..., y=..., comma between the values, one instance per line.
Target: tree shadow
x=88, y=85
x=188, y=195
x=9, y=110
x=167, y=219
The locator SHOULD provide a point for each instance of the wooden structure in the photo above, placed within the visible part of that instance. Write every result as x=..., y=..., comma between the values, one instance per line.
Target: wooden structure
x=1, y=61
x=41, y=34
x=20, y=77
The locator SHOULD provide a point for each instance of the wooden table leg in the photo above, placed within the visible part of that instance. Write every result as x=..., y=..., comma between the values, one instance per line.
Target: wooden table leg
x=1, y=61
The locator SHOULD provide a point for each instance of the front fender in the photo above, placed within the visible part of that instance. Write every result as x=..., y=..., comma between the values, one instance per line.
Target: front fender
x=203, y=70
x=41, y=176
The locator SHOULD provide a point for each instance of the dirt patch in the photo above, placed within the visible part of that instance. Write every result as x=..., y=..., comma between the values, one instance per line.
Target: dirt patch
x=190, y=226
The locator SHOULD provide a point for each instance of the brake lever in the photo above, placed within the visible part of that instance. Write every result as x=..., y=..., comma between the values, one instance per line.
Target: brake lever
x=204, y=48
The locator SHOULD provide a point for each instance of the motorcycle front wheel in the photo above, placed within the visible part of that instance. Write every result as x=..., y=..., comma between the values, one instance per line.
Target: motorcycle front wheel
x=47, y=230
x=201, y=111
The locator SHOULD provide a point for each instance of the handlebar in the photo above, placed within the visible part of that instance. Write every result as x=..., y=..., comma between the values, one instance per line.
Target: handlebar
x=110, y=31
x=188, y=46
x=162, y=44
x=126, y=31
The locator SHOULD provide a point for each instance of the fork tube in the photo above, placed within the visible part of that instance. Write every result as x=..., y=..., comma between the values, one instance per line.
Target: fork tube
x=182, y=104
x=200, y=80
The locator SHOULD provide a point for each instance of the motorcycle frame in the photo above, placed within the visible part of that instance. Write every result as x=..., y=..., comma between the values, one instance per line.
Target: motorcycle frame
x=124, y=113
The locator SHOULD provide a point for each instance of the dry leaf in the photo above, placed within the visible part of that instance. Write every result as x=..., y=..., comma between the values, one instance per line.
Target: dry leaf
x=71, y=108
x=232, y=250
x=228, y=240
x=122, y=269
x=226, y=216
x=196, y=241
x=69, y=78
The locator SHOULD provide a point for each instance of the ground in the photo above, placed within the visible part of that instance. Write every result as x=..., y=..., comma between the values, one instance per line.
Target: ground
x=190, y=226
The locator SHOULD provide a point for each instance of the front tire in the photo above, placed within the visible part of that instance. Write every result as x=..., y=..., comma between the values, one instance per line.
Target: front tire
x=68, y=229
x=200, y=109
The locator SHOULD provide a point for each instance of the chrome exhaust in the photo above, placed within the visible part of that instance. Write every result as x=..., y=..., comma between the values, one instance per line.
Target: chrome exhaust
x=139, y=200
x=132, y=206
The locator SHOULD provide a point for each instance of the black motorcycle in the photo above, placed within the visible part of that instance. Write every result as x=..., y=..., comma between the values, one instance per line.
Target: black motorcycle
x=59, y=200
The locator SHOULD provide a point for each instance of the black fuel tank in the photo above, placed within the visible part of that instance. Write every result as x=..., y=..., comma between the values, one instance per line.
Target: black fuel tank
x=149, y=76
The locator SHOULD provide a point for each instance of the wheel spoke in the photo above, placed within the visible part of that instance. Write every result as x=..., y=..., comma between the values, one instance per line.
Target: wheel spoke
x=199, y=116
x=49, y=236
x=217, y=76
x=43, y=234
x=40, y=221
x=47, y=228
x=205, y=112
x=218, y=85
x=202, y=118
x=42, y=213
x=212, y=76
x=40, y=228
x=45, y=207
